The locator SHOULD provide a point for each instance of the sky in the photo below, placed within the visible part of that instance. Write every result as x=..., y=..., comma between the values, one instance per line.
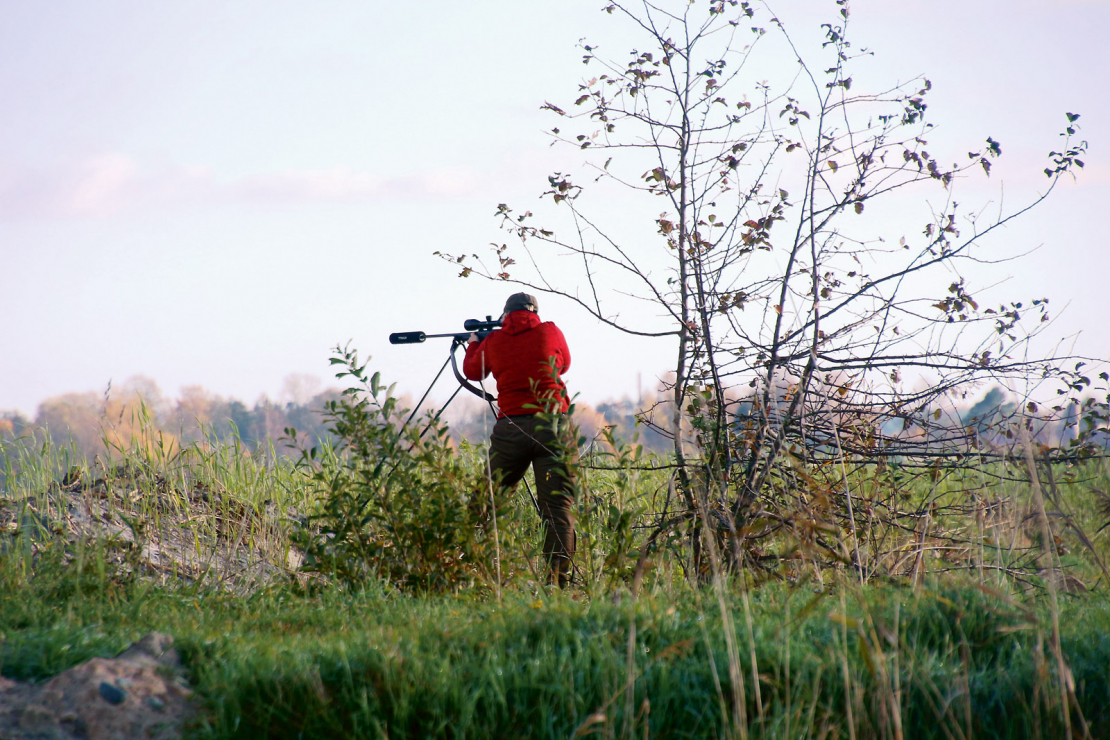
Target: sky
x=216, y=194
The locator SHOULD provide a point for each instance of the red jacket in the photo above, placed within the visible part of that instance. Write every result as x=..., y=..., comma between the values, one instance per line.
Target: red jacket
x=518, y=355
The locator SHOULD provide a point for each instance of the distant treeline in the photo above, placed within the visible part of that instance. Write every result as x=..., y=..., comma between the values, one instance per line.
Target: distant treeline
x=137, y=412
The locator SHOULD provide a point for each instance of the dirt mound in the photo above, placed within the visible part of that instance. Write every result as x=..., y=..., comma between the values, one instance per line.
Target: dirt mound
x=141, y=693
x=173, y=532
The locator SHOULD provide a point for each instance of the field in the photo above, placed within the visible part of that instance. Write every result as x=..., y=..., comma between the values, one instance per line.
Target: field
x=435, y=624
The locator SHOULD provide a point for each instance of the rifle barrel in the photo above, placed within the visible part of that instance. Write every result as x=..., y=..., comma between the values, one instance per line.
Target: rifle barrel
x=416, y=337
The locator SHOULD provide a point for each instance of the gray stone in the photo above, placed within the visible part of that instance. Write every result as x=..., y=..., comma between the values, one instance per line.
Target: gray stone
x=112, y=694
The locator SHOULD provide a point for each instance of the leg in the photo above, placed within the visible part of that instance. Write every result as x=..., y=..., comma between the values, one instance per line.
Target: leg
x=555, y=484
x=509, y=456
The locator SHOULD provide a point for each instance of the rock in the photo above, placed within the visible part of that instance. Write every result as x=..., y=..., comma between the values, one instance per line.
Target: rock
x=112, y=694
x=139, y=694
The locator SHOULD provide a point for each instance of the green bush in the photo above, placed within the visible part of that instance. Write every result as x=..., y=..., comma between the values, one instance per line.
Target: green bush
x=394, y=501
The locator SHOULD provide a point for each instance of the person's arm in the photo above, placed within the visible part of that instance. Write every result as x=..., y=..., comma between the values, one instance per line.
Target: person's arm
x=563, y=349
x=476, y=361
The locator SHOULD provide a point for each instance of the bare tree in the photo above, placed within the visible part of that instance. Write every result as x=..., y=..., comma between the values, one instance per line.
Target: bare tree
x=814, y=289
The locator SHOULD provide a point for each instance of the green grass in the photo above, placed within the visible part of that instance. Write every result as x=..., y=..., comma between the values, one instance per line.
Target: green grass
x=968, y=652
x=374, y=663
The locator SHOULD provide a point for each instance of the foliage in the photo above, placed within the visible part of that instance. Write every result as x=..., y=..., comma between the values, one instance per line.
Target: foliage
x=396, y=502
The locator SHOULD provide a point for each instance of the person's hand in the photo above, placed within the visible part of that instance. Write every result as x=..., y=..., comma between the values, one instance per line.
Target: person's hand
x=473, y=339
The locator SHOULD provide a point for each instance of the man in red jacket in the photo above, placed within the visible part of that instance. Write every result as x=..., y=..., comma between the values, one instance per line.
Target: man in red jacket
x=527, y=358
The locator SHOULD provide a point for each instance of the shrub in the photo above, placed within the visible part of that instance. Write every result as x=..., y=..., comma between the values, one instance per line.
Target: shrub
x=394, y=501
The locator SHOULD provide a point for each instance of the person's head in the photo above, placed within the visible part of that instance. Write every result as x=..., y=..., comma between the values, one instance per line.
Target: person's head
x=521, y=302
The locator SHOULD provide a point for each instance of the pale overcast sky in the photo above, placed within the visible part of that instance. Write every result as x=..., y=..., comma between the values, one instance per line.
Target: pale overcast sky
x=216, y=193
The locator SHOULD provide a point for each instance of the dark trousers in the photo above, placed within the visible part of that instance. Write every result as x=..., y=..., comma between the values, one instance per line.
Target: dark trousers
x=520, y=441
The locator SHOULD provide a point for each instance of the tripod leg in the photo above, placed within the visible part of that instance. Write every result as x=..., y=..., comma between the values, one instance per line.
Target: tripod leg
x=440, y=412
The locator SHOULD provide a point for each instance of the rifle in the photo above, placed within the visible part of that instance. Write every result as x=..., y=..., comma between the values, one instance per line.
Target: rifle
x=472, y=326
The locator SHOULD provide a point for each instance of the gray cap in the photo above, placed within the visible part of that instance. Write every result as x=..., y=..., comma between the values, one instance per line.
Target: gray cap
x=522, y=302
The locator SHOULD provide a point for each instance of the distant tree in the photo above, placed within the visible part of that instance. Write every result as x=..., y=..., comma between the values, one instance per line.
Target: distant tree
x=74, y=417
x=199, y=413
x=196, y=405
x=144, y=390
x=308, y=418
x=244, y=421
x=13, y=424
x=300, y=389
x=133, y=417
